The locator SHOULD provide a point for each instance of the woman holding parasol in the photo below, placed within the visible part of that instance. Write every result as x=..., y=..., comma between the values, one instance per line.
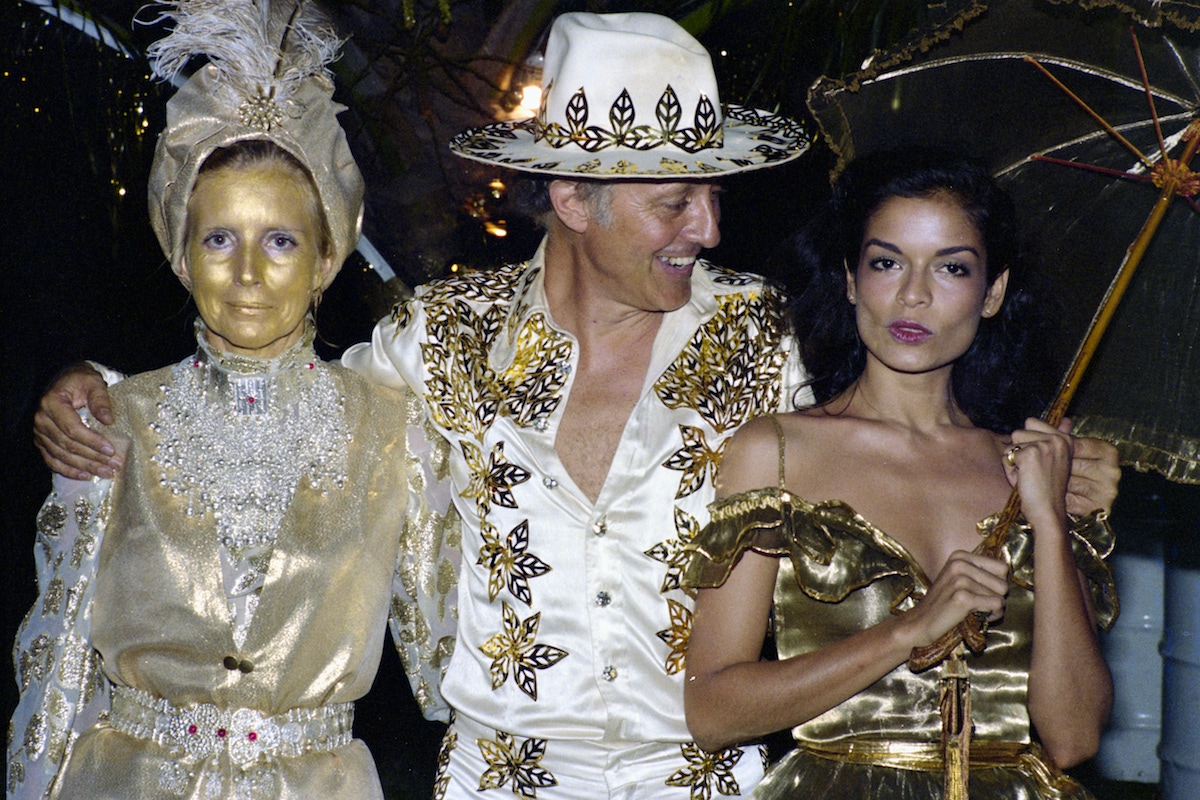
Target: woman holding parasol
x=854, y=522
x=207, y=618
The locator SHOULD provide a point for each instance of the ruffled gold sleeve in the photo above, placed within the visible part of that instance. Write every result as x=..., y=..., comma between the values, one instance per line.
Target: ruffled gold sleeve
x=1092, y=541
x=833, y=550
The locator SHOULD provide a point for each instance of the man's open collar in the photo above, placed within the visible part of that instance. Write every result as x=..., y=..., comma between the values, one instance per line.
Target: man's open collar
x=529, y=299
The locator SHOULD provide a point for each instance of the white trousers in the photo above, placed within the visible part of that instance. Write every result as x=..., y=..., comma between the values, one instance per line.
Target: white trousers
x=478, y=762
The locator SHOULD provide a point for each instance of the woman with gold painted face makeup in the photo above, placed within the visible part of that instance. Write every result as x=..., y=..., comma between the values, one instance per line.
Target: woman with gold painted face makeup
x=208, y=617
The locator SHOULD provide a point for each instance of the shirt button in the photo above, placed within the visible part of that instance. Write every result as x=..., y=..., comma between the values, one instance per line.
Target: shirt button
x=600, y=527
x=549, y=483
x=610, y=673
x=603, y=599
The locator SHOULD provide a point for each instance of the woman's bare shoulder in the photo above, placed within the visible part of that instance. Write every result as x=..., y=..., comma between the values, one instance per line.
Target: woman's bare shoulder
x=752, y=456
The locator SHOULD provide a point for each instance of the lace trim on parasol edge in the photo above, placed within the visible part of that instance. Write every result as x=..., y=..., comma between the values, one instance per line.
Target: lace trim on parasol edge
x=1175, y=457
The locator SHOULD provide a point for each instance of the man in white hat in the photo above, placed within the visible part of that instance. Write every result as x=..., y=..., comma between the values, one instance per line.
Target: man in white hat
x=586, y=396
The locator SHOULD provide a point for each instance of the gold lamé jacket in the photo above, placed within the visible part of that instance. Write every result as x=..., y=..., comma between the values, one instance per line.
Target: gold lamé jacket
x=839, y=574
x=131, y=594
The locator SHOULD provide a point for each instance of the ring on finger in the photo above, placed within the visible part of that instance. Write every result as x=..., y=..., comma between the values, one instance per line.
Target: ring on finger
x=1010, y=455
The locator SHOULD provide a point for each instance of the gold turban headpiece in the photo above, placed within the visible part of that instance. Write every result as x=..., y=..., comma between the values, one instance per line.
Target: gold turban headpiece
x=267, y=78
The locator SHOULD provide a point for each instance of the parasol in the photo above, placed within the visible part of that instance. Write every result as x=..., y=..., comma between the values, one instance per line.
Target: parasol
x=1184, y=13
x=978, y=91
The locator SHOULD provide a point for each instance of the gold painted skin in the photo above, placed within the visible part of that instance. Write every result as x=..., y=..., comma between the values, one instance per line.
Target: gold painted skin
x=253, y=257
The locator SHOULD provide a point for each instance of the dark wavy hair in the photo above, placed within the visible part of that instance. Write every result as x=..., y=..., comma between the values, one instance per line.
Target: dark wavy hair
x=1007, y=374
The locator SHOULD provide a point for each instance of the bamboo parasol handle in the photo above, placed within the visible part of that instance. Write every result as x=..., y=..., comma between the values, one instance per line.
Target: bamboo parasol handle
x=973, y=630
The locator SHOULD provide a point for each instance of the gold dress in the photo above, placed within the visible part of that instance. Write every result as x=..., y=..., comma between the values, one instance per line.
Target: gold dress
x=839, y=574
x=217, y=609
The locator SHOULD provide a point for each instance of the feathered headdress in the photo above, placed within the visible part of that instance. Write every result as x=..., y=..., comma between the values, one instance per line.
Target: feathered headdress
x=267, y=78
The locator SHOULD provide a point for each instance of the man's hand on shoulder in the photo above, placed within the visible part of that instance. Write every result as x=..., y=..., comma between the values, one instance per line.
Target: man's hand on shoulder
x=68, y=446
x=1095, y=472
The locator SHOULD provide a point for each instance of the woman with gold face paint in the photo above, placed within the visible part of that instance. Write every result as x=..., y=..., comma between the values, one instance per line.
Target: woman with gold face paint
x=256, y=254
x=207, y=617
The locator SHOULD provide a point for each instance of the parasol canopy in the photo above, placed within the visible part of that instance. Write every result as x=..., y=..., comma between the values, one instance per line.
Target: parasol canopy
x=977, y=91
x=1153, y=13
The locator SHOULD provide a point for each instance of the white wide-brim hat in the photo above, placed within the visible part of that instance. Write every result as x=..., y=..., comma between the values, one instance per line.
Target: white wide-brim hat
x=632, y=96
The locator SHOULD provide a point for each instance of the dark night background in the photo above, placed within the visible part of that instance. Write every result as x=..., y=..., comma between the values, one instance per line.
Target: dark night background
x=81, y=275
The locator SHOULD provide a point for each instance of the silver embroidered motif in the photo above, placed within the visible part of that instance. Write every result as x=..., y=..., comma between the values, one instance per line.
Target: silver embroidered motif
x=237, y=434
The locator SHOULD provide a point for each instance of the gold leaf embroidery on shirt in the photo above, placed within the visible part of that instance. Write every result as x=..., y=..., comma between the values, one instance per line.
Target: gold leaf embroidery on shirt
x=696, y=460
x=401, y=315
x=725, y=277
x=16, y=773
x=677, y=636
x=463, y=392
x=76, y=665
x=442, y=777
x=57, y=734
x=481, y=285
x=707, y=771
x=493, y=482
x=671, y=552
x=521, y=767
x=456, y=358
x=529, y=389
x=731, y=370
x=74, y=601
x=513, y=651
x=508, y=562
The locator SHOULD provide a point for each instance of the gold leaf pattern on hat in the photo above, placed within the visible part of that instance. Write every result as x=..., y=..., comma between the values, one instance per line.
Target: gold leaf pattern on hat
x=666, y=98
x=707, y=132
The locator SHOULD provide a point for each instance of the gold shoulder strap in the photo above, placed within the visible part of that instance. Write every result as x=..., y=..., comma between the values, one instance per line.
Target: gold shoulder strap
x=779, y=433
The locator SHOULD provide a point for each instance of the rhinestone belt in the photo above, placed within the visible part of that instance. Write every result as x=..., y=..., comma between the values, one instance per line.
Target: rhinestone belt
x=246, y=734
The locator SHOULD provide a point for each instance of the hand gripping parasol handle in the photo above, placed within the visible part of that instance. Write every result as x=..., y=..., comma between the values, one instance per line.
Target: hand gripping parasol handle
x=973, y=630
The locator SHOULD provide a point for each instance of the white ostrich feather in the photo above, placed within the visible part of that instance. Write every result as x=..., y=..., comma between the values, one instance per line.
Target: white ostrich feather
x=260, y=48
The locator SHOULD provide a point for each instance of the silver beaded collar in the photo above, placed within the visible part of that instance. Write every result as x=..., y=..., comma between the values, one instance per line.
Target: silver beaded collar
x=237, y=434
